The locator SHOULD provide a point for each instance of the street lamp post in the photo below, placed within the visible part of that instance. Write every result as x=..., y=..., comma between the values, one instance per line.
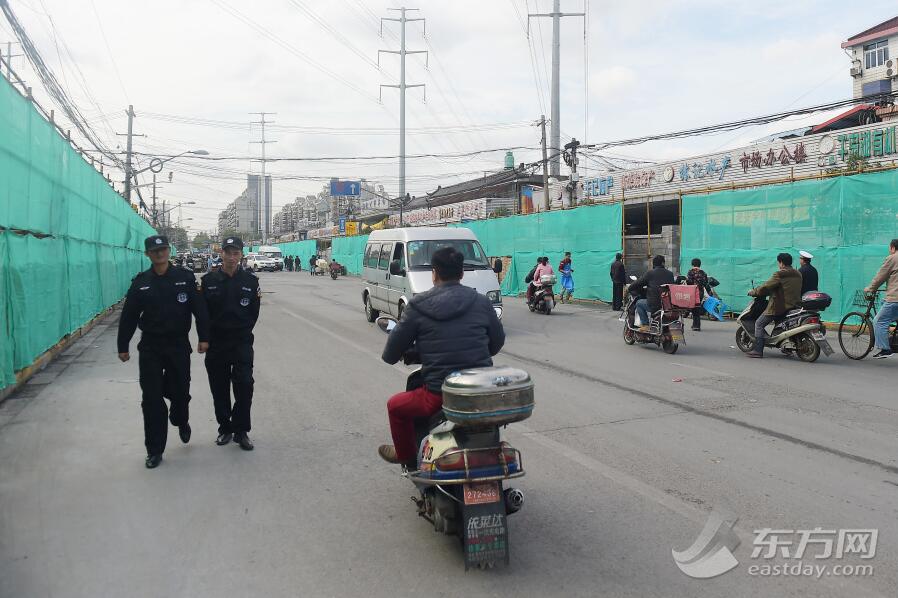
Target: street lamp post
x=156, y=167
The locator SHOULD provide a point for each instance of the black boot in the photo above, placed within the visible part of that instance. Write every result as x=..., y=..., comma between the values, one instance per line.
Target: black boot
x=758, y=351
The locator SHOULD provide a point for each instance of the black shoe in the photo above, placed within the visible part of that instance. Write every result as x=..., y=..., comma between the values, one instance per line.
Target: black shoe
x=223, y=438
x=153, y=461
x=184, y=433
x=243, y=440
x=694, y=329
x=883, y=353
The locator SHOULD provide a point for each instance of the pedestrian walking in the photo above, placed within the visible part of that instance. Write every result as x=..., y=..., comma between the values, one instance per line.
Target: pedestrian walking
x=288, y=263
x=161, y=302
x=888, y=313
x=312, y=261
x=696, y=276
x=565, y=268
x=232, y=297
x=809, y=279
x=618, y=280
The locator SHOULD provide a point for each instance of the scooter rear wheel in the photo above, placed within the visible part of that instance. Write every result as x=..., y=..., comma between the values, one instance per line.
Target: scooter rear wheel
x=669, y=347
x=629, y=335
x=743, y=341
x=807, y=348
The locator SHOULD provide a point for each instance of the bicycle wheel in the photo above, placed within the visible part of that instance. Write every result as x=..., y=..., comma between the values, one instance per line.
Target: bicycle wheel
x=856, y=335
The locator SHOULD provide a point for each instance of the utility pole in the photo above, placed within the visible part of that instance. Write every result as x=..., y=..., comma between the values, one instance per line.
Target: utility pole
x=570, y=158
x=402, y=84
x=129, y=171
x=264, y=209
x=542, y=123
x=155, y=214
x=556, y=15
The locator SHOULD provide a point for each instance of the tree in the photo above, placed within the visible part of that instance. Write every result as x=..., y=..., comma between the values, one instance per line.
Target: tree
x=201, y=240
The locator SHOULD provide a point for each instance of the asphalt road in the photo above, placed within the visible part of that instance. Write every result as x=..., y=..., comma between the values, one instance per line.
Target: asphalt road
x=628, y=452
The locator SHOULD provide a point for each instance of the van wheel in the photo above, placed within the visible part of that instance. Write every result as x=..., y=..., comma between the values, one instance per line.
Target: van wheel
x=371, y=314
x=399, y=310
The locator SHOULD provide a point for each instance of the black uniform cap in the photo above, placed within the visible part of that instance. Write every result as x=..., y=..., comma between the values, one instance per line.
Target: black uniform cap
x=156, y=242
x=235, y=242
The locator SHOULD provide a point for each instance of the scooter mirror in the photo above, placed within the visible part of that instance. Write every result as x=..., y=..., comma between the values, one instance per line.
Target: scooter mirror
x=386, y=324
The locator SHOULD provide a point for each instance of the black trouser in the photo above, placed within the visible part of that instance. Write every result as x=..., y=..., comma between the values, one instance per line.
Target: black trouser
x=617, y=296
x=697, y=317
x=164, y=374
x=231, y=363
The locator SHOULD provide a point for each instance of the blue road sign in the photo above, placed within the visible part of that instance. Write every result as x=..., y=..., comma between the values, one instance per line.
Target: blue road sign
x=353, y=188
x=342, y=223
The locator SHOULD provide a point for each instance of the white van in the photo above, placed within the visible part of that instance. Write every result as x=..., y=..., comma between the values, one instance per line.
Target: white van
x=396, y=267
x=272, y=252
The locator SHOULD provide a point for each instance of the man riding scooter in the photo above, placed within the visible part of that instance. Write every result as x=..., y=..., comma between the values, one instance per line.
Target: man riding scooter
x=453, y=327
x=651, y=281
x=784, y=290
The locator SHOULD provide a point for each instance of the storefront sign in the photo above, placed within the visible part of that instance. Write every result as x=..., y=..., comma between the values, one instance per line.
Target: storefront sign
x=637, y=180
x=707, y=169
x=465, y=210
x=868, y=144
x=783, y=157
x=598, y=186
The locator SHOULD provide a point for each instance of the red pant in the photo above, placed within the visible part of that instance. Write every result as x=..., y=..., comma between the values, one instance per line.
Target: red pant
x=403, y=409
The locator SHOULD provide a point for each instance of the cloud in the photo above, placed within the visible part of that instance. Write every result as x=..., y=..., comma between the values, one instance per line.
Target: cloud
x=612, y=81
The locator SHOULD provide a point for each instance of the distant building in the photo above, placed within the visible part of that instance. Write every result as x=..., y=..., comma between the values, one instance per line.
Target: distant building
x=242, y=214
x=874, y=55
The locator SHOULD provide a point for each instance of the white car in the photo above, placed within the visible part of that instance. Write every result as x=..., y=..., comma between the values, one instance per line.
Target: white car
x=257, y=261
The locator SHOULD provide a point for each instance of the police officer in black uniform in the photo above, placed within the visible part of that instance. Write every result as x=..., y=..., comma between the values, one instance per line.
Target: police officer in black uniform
x=809, y=277
x=233, y=297
x=161, y=301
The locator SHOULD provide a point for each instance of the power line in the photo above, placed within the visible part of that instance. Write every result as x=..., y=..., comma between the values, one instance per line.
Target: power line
x=758, y=120
x=266, y=33
x=353, y=158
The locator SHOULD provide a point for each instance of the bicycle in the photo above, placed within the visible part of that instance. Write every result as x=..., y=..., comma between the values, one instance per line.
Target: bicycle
x=856, y=329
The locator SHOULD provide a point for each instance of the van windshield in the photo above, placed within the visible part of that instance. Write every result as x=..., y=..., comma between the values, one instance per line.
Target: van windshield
x=420, y=252
x=272, y=254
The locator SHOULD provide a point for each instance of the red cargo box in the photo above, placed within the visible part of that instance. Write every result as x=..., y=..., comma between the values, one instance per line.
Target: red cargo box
x=684, y=296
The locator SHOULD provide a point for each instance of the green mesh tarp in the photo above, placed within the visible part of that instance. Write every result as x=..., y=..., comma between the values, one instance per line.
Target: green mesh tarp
x=591, y=233
x=72, y=245
x=349, y=252
x=845, y=222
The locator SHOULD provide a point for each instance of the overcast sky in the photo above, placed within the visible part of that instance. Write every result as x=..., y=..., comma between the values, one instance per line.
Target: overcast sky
x=653, y=66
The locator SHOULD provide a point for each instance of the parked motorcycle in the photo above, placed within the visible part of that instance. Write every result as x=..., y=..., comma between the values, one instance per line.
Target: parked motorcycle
x=543, y=298
x=665, y=325
x=799, y=331
x=463, y=462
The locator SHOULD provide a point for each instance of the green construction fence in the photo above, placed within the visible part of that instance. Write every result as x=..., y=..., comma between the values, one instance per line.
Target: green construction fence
x=591, y=233
x=349, y=251
x=846, y=222
x=69, y=244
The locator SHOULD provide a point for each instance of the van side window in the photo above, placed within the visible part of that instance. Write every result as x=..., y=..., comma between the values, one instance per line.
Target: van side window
x=399, y=254
x=372, y=254
x=384, y=256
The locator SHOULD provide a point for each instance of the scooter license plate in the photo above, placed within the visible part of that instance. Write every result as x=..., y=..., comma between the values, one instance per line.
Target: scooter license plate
x=676, y=335
x=481, y=493
x=818, y=336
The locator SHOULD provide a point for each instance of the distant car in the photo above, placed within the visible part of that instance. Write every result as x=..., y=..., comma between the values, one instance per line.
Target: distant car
x=274, y=253
x=257, y=262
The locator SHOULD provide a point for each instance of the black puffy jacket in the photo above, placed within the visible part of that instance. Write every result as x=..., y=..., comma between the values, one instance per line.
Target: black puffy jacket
x=651, y=281
x=454, y=326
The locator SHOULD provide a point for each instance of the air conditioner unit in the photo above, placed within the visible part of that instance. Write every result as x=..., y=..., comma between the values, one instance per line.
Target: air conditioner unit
x=856, y=71
x=890, y=73
x=889, y=64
